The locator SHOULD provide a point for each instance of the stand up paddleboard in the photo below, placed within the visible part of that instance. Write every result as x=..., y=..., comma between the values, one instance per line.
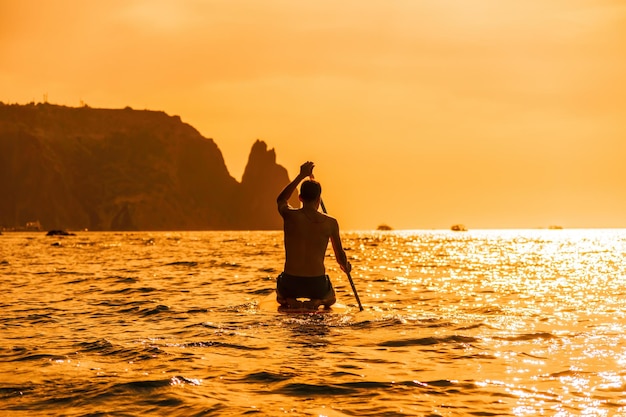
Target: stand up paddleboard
x=269, y=303
x=334, y=309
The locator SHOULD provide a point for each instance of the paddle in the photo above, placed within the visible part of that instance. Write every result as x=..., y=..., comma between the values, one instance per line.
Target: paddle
x=356, y=295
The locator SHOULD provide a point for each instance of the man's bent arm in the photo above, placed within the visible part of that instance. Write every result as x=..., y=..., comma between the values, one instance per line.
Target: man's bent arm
x=340, y=254
x=305, y=170
x=288, y=190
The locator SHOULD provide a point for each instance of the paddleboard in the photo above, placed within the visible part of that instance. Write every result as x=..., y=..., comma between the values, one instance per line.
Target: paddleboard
x=334, y=309
x=269, y=303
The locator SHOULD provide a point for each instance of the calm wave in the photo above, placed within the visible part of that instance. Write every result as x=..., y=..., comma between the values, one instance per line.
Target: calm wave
x=479, y=323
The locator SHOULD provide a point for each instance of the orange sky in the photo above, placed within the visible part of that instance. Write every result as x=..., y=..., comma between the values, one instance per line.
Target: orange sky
x=418, y=113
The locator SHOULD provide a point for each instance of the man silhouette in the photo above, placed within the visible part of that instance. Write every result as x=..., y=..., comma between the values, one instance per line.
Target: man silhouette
x=306, y=236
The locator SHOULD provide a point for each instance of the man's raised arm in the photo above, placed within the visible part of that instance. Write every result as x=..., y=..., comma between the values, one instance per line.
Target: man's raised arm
x=306, y=170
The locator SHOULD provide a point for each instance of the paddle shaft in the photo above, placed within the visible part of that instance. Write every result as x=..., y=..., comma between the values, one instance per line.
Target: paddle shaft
x=356, y=294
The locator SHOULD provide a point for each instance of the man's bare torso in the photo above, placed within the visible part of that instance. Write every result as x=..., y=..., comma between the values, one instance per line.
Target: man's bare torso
x=307, y=233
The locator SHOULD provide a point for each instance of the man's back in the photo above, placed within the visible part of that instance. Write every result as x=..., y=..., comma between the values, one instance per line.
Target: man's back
x=307, y=233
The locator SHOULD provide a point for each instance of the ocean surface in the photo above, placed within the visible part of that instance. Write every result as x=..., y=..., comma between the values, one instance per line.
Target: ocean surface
x=478, y=323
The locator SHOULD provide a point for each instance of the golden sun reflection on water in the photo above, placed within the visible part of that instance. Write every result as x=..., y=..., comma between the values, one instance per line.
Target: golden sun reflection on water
x=560, y=292
x=481, y=322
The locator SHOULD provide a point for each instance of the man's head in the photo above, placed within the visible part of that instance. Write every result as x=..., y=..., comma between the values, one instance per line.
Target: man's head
x=310, y=190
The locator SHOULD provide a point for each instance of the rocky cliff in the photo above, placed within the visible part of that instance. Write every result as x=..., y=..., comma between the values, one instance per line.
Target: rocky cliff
x=107, y=169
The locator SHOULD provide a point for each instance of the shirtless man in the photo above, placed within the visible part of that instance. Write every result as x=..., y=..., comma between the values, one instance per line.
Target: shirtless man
x=307, y=232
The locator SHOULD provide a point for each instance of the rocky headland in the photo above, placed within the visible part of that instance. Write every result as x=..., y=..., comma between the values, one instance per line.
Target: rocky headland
x=124, y=169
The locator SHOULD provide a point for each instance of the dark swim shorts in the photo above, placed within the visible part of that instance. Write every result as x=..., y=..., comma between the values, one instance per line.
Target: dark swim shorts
x=290, y=286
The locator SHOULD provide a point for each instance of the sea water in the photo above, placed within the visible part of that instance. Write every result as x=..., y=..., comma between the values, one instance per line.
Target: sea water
x=478, y=323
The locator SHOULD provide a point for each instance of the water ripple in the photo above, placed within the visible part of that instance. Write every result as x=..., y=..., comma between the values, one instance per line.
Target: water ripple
x=427, y=341
x=169, y=323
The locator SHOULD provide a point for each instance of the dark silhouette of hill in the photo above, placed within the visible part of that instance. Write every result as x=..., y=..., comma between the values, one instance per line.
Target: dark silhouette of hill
x=110, y=169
